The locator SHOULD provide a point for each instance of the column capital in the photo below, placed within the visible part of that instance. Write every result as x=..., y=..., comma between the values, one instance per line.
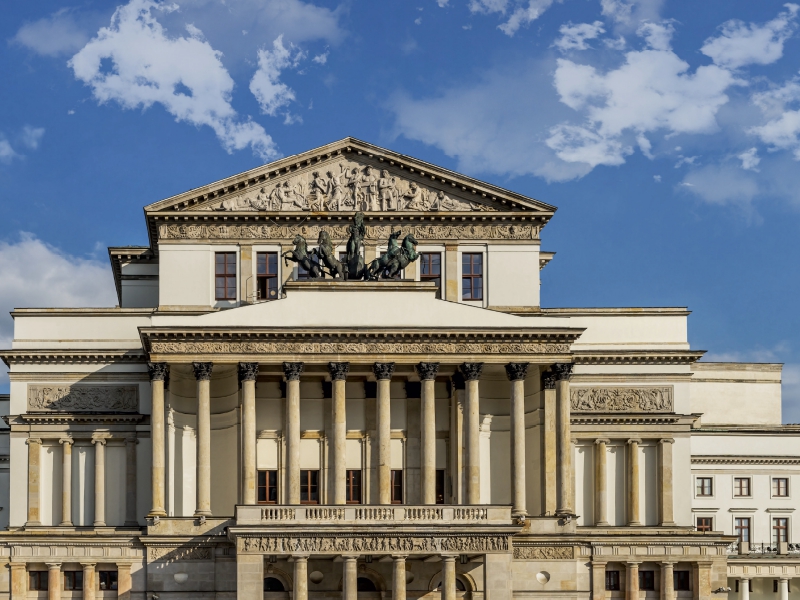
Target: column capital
x=338, y=370
x=599, y=562
x=668, y=563
x=66, y=441
x=632, y=563
x=299, y=557
x=350, y=557
x=745, y=577
x=292, y=370
x=666, y=441
x=634, y=441
x=548, y=380
x=248, y=371
x=516, y=371
x=427, y=370
x=33, y=440
x=399, y=556
x=99, y=440
x=471, y=371
x=158, y=371
x=131, y=440
x=563, y=371
x=602, y=441
x=53, y=565
x=449, y=557
x=88, y=564
x=202, y=370
x=382, y=371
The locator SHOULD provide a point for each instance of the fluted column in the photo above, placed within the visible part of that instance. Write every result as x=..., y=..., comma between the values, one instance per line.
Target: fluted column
x=54, y=579
x=89, y=580
x=158, y=375
x=427, y=373
x=338, y=371
x=633, y=482
x=563, y=373
x=66, y=482
x=516, y=373
x=383, y=373
x=248, y=372
x=744, y=588
x=202, y=372
x=549, y=445
x=399, y=577
x=665, y=492
x=600, y=483
x=667, y=581
x=632, y=582
x=300, y=576
x=99, y=482
x=131, y=519
x=472, y=467
x=34, y=481
x=350, y=580
x=292, y=371
x=448, y=577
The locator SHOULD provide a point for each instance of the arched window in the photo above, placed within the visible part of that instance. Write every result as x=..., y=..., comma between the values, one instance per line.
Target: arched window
x=364, y=584
x=272, y=584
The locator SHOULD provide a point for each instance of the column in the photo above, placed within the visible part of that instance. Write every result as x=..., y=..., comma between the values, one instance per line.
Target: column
x=600, y=483
x=131, y=519
x=783, y=588
x=158, y=375
x=633, y=482
x=448, y=577
x=516, y=373
x=563, y=373
x=744, y=588
x=399, y=577
x=457, y=438
x=202, y=372
x=472, y=464
x=427, y=372
x=66, y=482
x=632, y=581
x=89, y=580
x=667, y=581
x=250, y=577
x=248, y=372
x=338, y=371
x=703, y=591
x=291, y=372
x=19, y=581
x=548, y=446
x=99, y=482
x=598, y=580
x=34, y=480
x=452, y=284
x=124, y=582
x=300, y=576
x=54, y=580
x=665, y=493
x=350, y=580
x=383, y=373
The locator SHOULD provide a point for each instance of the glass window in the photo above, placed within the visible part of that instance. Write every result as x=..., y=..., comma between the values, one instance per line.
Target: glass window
x=354, y=486
x=741, y=528
x=439, y=486
x=273, y=584
x=108, y=580
x=225, y=275
x=267, y=275
x=647, y=580
x=705, y=524
x=704, y=486
x=268, y=487
x=741, y=486
x=472, y=276
x=431, y=267
x=73, y=580
x=612, y=580
x=681, y=581
x=397, y=486
x=37, y=581
x=309, y=487
x=780, y=486
x=780, y=530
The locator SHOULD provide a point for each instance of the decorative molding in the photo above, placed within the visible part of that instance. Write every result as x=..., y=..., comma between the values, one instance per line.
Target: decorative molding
x=50, y=357
x=544, y=552
x=516, y=371
x=158, y=371
x=292, y=370
x=427, y=371
x=746, y=460
x=247, y=371
x=202, y=370
x=383, y=370
x=471, y=371
x=636, y=357
x=44, y=418
x=172, y=554
x=96, y=398
x=623, y=420
x=563, y=371
x=338, y=370
x=622, y=399
x=410, y=544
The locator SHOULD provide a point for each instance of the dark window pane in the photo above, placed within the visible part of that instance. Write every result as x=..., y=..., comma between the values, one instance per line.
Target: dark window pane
x=272, y=584
x=439, y=486
x=612, y=580
x=647, y=580
x=681, y=581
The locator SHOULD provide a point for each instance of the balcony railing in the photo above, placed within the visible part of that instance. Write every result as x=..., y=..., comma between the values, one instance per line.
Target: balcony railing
x=372, y=515
x=762, y=549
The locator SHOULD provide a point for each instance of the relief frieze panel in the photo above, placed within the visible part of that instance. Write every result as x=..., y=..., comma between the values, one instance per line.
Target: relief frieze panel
x=179, y=553
x=544, y=552
x=622, y=399
x=374, y=545
x=71, y=398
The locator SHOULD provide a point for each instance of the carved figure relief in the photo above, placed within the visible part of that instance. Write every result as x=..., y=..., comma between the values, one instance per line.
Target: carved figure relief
x=622, y=399
x=68, y=398
x=544, y=552
x=376, y=544
x=174, y=554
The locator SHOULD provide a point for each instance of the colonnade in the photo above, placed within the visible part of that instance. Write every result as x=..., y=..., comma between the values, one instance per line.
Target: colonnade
x=783, y=588
x=55, y=579
x=383, y=372
x=700, y=577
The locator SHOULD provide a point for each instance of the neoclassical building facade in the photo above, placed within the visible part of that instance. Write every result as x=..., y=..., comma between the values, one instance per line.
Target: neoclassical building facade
x=331, y=377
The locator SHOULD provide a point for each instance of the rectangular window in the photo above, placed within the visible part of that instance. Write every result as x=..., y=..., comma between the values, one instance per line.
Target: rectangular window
x=439, y=486
x=267, y=487
x=780, y=530
x=705, y=523
x=309, y=487
x=741, y=486
x=749, y=585
x=780, y=487
x=397, y=486
x=680, y=580
x=37, y=581
x=225, y=275
x=354, y=486
x=647, y=580
x=73, y=580
x=704, y=486
x=741, y=528
x=430, y=267
x=472, y=276
x=267, y=275
x=108, y=580
x=612, y=580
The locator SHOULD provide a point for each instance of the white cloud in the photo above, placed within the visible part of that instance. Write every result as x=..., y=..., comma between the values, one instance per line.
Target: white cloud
x=573, y=37
x=60, y=33
x=418, y=21
x=28, y=137
x=628, y=14
x=31, y=136
x=518, y=12
x=576, y=144
x=685, y=160
x=741, y=44
x=442, y=3
x=750, y=159
x=272, y=95
x=782, y=129
x=35, y=274
x=135, y=63
x=722, y=184
x=321, y=59
x=7, y=153
x=657, y=178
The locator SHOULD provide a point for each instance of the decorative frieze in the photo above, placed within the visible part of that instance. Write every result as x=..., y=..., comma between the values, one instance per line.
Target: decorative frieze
x=622, y=399
x=171, y=554
x=544, y=552
x=407, y=544
x=96, y=398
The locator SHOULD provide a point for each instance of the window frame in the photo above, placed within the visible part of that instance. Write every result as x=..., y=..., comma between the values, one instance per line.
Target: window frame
x=776, y=529
x=739, y=529
x=226, y=276
x=112, y=578
x=612, y=580
x=267, y=277
x=472, y=276
x=678, y=577
x=77, y=583
x=397, y=475
x=267, y=474
x=737, y=487
x=308, y=473
x=42, y=581
x=773, y=480
x=350, y=475
x=698, y=486
x=644, y=585
x=710, y=524
x=429, y=255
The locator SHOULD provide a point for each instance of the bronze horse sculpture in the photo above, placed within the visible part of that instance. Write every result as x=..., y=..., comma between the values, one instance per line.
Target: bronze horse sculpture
x=327, y=255
x=397, y=257
x=302, y=257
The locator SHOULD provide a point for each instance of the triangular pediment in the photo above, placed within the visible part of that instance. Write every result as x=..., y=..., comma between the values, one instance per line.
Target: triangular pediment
x=349, y=176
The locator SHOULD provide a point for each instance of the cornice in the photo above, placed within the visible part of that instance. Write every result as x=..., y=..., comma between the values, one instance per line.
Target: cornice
x=625, y=311
x=55, y=418
x=116, y=254
x=746, y=460
x=617, y=419
x=636, y=357
x=23, y=357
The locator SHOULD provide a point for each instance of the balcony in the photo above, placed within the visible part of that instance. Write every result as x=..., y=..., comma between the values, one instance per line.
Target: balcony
x=353, y=515
x=755, y=550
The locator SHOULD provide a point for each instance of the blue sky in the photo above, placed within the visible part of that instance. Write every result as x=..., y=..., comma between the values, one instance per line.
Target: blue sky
x=667, y=133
